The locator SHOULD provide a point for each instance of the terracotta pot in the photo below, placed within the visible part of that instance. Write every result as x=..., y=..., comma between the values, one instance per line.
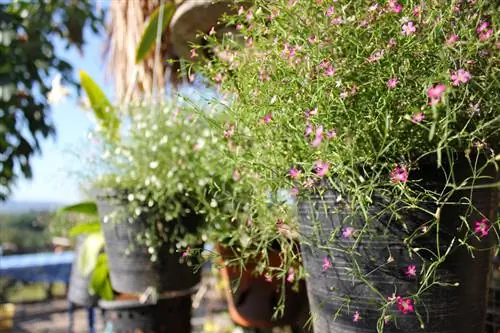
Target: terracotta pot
x=253, y=303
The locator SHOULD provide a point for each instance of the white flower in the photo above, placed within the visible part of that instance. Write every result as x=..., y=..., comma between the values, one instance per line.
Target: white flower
x=154, y=164
x=58, y=91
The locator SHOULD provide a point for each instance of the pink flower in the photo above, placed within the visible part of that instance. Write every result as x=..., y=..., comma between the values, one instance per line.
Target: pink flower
x=376, y=56
x=267, y=118
x=411, y=271
x=395, y=6
x=324, y=64
x=408, y=29
x=482, y=27
x=330, y=11
x=347, y=232
x=268, y=277
x=229, y=132
x=294, y=173
x=392, y=82
x=239, y=26
x=417, y=117
x=249, y=41
x=326, y=263
x=344, y=95
x=417, y=10
x=482, y=227
x=291, y=275
x=193, y=53
x=249, y=16
x=460, y=77
x=312, y=112
x=331, y=134
x=186, y=252
x=356, y=317
x=308, y=130
x=292, y=3
x=330, y=71
x=399, y=174
x=485, y=35
x=318, y=138
x=236, y=175
x=294, y=191
x=405, y=305
x=280, y=223
x=435, y=93
x=321, y=168
x=452, y=40
x=218, y=78
x=312, y=39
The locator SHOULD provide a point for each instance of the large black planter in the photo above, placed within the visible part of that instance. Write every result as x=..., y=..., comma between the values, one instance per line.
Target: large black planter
x=168, y=315
x=493, y=317
x=130, y=265
x=443, y=309
x=78, y=289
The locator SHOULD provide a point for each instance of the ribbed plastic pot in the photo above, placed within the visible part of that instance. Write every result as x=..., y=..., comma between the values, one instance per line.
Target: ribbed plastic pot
x=168, y=315
x=443, y=309
x=130, y=265
x=78, y=289
x=493, y=317
x=254, y=301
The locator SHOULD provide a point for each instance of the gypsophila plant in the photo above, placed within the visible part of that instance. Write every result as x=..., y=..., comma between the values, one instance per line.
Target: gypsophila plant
x=389, y=108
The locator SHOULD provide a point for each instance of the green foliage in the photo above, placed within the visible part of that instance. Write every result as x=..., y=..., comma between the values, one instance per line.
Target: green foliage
x=150, y=32
x=356, y=98
x=89, y=252
x=88, y=208
x=29, y=30
x=100, y=282
x=104, y=112
x=27, y=231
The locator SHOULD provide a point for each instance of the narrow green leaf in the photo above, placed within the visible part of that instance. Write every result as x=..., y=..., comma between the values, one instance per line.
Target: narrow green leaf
x=86, y=207
x=103, y=110
x=100, y=283
x=88, y=253
x=85, y=228
x=149, y=34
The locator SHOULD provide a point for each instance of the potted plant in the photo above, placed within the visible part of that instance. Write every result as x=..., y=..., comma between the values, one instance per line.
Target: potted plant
x=381, y=118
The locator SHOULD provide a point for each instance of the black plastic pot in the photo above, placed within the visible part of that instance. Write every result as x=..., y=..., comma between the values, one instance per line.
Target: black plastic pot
x=168, y=315
x=78, y=289
x=130, y=265
x=493, y=317
x=443, y=309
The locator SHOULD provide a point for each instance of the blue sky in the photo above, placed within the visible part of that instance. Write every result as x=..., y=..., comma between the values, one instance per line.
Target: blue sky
x=52, y=179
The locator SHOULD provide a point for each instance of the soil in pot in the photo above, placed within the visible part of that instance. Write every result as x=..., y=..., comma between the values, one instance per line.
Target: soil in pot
x=130, y=265
x=253, y=302
x=341, y=302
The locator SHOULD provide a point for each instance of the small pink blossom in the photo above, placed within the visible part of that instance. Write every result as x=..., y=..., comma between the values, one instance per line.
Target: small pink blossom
x=236, y=175
x=331, y=134
x=291, y=275
x=434, y=93
x=324, y=64
x=321, y=168
x=263, y=75
x=249, y=16
x=336, y=21
x=249, y=41
x=326, y=263
x=411, y=271
x=482, y=227
x=408, y=29
x=405, y=305
x=399, y=174
x=186, y=252
x=417, y=117
x=318, y=137
x=451, y=40
x=274, y=14
x=292, y=3
x=218, y=78
x=347, y=232
x=330, y=71
x=294, y=173
x=241, y=10
x=460, y=77
x=376, y=56
x=344, y=95
x=294, y=191
x=267, y=118
x=229, y=131
x=239, y=26
x=417, y=10
x=486, y=35
x=356, y=317
x=330, y=11
x=392, y=82
x=311, y=112
x=312, y=39
x=482, y=27
x=268, y=277
x=280, y=223
x=395, y=6
x=308, y=130
x=193, y=53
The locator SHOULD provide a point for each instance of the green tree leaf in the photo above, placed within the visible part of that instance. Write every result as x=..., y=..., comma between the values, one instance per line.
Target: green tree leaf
x=104, y=112
x=85, y=207
x=100, y=283
x=151, y=31
x=85, y=228
x=88, y=253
